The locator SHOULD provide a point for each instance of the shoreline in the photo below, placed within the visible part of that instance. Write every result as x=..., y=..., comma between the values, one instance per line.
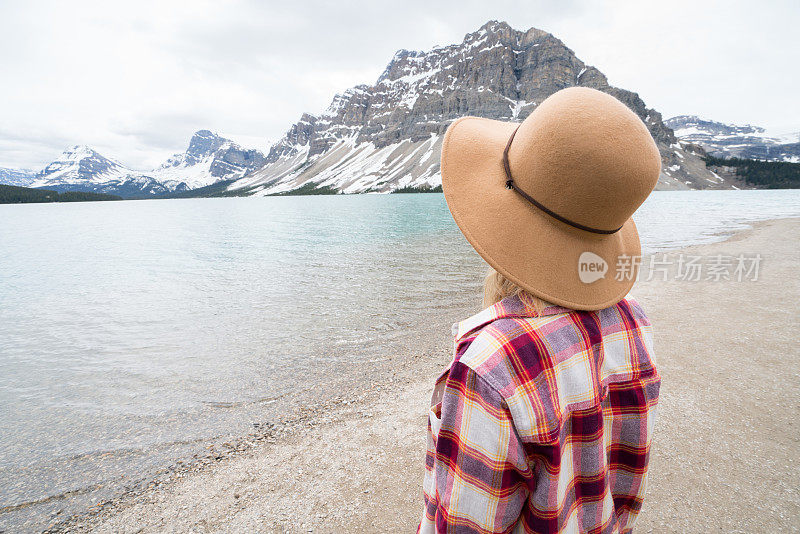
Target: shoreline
x=350, y=407
x=257, y=480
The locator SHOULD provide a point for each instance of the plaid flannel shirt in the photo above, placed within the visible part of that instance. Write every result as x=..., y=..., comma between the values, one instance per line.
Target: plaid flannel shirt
x=542, y=422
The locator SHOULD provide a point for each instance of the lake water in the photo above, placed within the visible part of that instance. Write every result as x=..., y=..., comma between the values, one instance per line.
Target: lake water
x=133, y=332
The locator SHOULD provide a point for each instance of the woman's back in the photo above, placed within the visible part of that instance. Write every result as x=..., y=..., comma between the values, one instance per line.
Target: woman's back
x=542, y=422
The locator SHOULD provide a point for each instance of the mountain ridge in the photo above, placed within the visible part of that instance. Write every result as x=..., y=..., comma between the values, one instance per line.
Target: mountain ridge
x=20, y=177
x=209, y=158
x=386, y=136
x=747, y=141
x=81, y=168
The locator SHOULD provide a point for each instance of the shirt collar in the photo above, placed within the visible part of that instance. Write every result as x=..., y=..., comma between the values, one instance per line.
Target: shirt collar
x=512, y=306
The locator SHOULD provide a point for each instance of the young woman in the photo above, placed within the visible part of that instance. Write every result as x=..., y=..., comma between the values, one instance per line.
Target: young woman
x=543, y=420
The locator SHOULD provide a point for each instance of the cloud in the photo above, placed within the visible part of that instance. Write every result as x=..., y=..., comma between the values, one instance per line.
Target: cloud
x=136, y=79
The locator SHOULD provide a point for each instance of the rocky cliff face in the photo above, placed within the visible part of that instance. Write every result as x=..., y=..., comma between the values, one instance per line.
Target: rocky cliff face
x=729, y=140
x=388, y=135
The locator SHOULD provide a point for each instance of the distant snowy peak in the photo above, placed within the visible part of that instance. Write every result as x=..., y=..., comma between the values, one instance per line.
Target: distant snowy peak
x=730, y=140
x=14, y=176
x=209, y=158
x=686, y=126
x=81, y=168
x=204, y=143
x=80, y=164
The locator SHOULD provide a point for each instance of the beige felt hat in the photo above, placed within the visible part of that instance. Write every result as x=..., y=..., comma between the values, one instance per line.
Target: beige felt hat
x=548, y=202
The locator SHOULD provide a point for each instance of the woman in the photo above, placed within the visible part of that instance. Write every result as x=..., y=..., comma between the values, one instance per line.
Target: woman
x=543, y=420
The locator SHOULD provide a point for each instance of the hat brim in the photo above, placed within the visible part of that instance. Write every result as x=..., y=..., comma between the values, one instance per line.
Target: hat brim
x=529, y=247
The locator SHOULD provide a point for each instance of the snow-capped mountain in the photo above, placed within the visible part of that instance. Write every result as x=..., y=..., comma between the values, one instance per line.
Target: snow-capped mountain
x=388, y=135
x=729, y=140
x=80, y=168
x=14, y=176
x=209, y=159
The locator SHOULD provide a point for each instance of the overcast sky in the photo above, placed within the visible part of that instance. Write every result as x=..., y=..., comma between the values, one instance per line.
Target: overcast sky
x=135, y=79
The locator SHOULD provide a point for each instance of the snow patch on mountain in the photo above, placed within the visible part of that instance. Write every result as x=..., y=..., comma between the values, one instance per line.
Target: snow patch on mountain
x=351, y=167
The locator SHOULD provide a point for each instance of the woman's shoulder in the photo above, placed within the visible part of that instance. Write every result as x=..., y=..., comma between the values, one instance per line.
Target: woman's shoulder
x=486, y=340
x=554, y=361
x=507, y=344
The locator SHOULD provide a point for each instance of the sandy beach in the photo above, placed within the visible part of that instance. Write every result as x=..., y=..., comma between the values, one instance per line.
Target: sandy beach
x=725, y=457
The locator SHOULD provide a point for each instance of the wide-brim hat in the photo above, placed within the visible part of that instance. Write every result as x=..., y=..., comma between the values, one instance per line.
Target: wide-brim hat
x=548, y=202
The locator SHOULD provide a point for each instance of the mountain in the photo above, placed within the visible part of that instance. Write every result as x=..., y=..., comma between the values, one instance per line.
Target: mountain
x=388, y=135
x=80, y=168
x=18, y=177
x=728, y=140
x=208, y=160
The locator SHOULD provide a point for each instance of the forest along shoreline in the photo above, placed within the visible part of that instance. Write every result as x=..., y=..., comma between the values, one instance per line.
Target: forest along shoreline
x=355, y=462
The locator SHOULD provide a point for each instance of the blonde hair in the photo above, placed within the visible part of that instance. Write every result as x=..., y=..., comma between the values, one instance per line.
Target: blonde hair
x=496, y=287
